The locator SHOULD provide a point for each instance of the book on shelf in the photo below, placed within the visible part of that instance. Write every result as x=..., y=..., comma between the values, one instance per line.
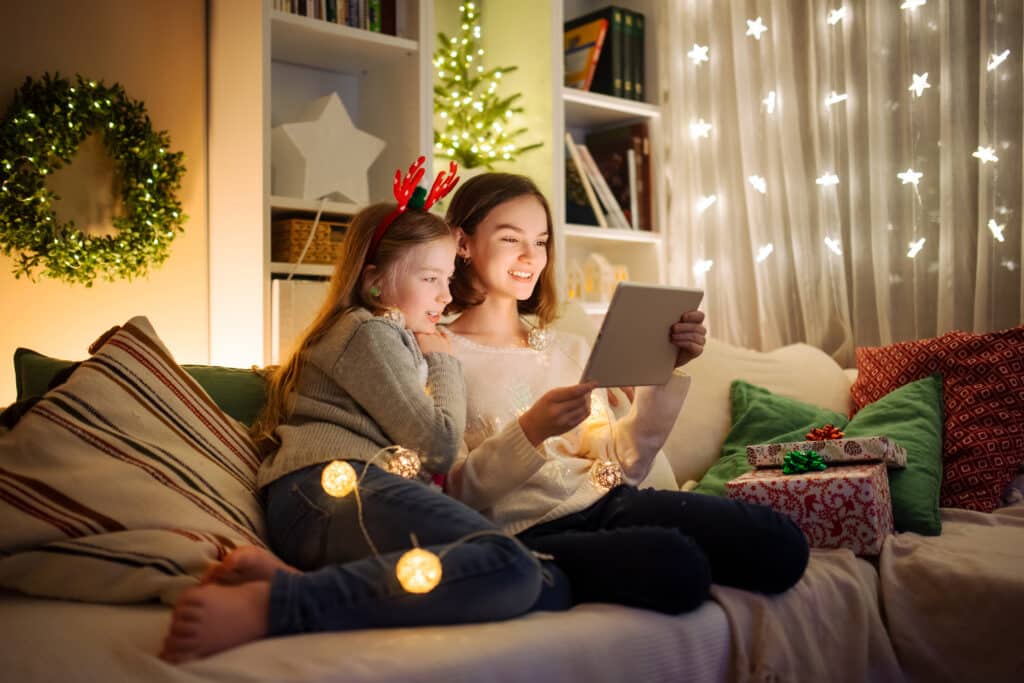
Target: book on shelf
x=582, y=45
x=616, y=217
x=639, y=45
x=610, y=149
x=371, y=15
x=574, y=155
x=578, y=210
x=607, y=77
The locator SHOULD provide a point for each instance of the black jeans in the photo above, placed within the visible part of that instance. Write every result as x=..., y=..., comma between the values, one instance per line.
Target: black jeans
x=662, y=550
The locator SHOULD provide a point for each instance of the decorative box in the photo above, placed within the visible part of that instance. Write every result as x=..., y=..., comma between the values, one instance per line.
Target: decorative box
x=840, y=507
x=856, y=449
x=289, y=236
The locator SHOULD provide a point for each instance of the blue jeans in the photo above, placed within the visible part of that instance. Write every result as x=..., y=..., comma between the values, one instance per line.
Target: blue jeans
x=344, y=586
x=661, y=550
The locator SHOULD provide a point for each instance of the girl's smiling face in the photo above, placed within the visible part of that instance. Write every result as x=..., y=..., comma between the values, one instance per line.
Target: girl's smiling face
x=508, y=250
x=418, y=287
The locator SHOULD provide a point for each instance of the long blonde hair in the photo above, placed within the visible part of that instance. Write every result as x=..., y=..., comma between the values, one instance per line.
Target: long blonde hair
x=350, y=288
x=469, y=206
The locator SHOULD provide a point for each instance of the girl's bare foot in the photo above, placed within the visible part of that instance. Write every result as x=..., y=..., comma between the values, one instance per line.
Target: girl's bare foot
x=248, y=563
x=210, y=618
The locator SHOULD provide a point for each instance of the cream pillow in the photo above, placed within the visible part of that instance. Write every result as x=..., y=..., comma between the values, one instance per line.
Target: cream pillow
x=797, y=371
x=124, y=483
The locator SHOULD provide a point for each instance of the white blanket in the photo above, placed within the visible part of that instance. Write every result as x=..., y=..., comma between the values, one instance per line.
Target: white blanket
x=955, y=602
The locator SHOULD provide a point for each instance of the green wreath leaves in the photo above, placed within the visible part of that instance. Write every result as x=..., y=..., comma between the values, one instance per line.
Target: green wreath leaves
x=41, y=132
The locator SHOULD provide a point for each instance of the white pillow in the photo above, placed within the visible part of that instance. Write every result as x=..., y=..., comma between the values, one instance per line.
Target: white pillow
x=797, y=371
x=124, y=483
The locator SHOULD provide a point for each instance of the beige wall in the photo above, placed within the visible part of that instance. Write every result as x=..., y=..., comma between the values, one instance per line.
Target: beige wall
x=156, y=49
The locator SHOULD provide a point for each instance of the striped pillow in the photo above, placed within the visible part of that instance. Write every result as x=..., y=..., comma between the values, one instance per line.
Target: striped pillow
x=124, y=483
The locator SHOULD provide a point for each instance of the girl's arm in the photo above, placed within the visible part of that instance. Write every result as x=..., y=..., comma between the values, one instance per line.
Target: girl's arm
x=378, y=370
x=495, y=468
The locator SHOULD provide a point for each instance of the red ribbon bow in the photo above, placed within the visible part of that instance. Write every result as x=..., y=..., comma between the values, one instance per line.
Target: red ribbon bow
x=826, y=433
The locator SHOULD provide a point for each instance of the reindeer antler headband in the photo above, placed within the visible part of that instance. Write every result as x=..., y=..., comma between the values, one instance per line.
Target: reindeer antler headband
x=408, y=193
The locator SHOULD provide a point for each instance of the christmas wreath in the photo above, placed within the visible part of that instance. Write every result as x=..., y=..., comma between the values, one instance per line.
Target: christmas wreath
x=41, y=132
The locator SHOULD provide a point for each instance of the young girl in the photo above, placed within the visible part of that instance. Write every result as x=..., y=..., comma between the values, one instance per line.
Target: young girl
x=547, y=461
x=372, y=371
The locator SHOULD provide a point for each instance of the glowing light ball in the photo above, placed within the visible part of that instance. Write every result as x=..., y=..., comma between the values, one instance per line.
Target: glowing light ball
x=419, y=571
x=338, y=479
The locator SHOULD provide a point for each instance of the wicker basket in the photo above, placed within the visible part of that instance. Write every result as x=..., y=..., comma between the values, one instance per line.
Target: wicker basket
x=288, y=236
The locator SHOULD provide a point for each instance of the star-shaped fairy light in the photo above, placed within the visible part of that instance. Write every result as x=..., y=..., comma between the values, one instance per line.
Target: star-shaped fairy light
x=996, y=229
x=700, y=129
x=996, y=60
x=827, y=179
x=985, y=154
x=698, y=53
x=323, y=153
x=764, y=251
x=836, y=15
x=702, y=266
x=919, y=84
x=755, y=28
x=758, y=183
x=912, y=4
x=910, y=176
x=835, y=98
x=769, y=102
x=915, y=247
x=834, y=246
x=705, y=202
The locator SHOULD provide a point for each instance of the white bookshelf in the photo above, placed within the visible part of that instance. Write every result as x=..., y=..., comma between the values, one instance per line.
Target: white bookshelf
x=579, y=112
x=265, y=67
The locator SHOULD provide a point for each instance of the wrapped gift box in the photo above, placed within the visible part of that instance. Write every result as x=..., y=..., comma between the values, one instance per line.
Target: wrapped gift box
x=857, y=449
x=840, y=507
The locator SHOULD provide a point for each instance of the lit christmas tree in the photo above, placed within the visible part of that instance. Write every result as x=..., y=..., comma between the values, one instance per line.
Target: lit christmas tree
x=474, y=118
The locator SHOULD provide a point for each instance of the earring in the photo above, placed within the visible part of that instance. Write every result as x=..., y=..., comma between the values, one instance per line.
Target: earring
x=465, y=259
x=375, y=291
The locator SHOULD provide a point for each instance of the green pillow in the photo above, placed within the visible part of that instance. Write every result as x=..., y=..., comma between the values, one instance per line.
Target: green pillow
x=238, y=392
x=912, y=416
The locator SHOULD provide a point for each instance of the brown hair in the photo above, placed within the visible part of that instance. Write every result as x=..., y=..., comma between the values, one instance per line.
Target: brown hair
x=349, y=289
x=470, y=205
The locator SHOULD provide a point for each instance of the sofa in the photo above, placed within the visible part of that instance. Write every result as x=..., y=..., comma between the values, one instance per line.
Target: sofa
x=87, y=607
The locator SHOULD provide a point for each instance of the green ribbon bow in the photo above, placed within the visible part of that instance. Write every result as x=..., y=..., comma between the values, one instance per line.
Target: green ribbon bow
x=798, y=462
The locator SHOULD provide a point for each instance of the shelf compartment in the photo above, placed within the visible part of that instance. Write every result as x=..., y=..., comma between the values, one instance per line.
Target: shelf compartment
x=590, y=110
x=333, y=47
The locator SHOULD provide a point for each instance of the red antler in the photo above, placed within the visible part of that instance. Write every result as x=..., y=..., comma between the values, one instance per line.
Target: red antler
x=405, y=187
x=442, y=186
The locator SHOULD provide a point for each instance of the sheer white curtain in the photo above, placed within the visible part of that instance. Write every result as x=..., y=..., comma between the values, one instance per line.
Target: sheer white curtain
x=775, y=147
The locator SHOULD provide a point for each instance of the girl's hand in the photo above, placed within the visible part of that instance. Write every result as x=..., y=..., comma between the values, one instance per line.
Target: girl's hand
x=689, y=336
x=613, y=400
x=434, y=342
x=556, y=412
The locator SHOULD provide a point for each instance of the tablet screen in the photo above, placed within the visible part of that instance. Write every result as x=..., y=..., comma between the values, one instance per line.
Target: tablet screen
x=633, y=348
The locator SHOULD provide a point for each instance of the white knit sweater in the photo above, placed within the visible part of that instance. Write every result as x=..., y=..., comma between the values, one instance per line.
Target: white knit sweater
x=499, y=472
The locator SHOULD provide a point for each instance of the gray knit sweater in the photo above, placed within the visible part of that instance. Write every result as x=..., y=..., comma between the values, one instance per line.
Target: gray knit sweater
x=360, y=390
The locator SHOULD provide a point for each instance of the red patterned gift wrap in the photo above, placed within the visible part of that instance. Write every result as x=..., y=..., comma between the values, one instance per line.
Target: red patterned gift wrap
x=840, y=507
x=849, y=450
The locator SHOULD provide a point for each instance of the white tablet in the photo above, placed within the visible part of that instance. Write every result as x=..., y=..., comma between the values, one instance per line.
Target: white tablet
x=633, y=348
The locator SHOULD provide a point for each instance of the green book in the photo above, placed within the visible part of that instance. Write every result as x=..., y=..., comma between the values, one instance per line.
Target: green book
x=639, y=46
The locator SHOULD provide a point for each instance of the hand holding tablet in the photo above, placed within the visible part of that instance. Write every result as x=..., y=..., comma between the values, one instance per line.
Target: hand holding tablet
x=633, y=347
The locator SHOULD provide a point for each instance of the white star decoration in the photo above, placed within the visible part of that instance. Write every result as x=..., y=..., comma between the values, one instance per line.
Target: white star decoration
x=827, y=179
x=835, y=98
x=834, y=246
x=919, y=84
x=755, y=28
x=764, y=252
x=996, y=60
x=912, y=4
x=323, y=153
x=769, y=102
x=702, y=266
x=915, y=247
x=698, y=54
x=700, y=129
x=705, y=202
x=996, y=229
x=910, y=176
x=985, y=154
x=759, y=183
x=836, y=15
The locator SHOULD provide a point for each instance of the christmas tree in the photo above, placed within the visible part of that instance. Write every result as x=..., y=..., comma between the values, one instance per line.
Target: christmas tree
x=474, y=118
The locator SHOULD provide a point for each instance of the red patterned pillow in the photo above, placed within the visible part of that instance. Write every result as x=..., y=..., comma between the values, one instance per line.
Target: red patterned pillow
x=983, y=386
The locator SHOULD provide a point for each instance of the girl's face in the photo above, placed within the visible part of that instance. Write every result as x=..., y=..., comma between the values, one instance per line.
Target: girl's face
x=418, y=287
x=508, y=251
